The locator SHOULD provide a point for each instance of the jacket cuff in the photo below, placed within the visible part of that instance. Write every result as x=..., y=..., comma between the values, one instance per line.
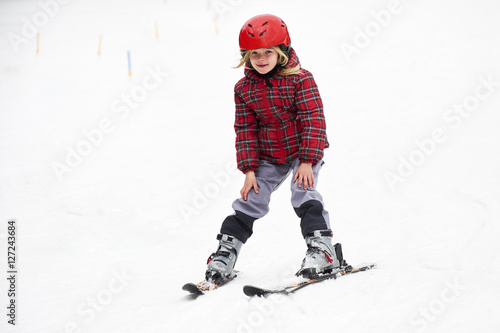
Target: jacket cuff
x=306, y=160
x=246, y=169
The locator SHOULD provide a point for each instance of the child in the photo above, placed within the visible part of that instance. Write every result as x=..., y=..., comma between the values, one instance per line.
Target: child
x=280, y=128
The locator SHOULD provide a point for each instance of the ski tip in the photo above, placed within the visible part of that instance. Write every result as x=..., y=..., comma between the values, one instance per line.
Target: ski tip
x=192, y=289
x=254, y=291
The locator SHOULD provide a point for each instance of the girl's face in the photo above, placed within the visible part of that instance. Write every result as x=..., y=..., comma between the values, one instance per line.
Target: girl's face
x=264, y=60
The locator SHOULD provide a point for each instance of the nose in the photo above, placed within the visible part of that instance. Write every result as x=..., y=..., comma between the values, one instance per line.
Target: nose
x=261, y=57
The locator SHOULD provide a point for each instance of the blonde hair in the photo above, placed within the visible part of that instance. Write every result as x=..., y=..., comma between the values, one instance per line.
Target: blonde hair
x=282, y=61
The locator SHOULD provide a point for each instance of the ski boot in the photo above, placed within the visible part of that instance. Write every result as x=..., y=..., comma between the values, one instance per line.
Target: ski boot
x=221, y=263
x=321, y=257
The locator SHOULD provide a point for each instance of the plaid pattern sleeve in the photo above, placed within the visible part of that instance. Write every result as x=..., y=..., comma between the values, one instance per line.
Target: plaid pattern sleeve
x=312, y=120
x=247, y=143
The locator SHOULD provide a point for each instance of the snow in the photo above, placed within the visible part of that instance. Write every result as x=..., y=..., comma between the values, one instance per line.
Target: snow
x=119, y=184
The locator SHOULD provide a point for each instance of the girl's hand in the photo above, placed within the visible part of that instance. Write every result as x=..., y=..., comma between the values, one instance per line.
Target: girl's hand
x=250, y=182
x=305, y=175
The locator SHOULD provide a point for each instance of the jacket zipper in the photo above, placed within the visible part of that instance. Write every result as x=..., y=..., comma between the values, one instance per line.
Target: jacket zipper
x=277, y=128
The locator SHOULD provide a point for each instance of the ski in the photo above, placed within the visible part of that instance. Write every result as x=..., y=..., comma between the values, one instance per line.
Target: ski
x=256, y=291
x=201, y=288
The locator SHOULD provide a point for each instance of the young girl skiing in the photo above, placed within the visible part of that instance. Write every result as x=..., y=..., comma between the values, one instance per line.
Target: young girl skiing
x=280, y=129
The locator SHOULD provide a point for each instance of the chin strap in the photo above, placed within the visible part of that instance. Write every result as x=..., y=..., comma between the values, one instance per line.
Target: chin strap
x=269, y=74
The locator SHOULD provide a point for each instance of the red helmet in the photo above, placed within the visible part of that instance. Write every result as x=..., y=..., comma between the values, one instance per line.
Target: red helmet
x=264, y=31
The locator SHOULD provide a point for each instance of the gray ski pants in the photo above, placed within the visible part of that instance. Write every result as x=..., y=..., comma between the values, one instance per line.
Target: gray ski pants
x=308, y=204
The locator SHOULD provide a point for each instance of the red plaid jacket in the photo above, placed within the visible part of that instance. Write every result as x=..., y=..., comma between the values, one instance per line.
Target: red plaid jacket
x=281, y=122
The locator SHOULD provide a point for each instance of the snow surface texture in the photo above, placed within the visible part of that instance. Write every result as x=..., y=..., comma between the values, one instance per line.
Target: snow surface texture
x=119, y=183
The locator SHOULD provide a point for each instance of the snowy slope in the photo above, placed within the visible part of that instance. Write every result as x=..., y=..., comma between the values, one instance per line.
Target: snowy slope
x=119, y=184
